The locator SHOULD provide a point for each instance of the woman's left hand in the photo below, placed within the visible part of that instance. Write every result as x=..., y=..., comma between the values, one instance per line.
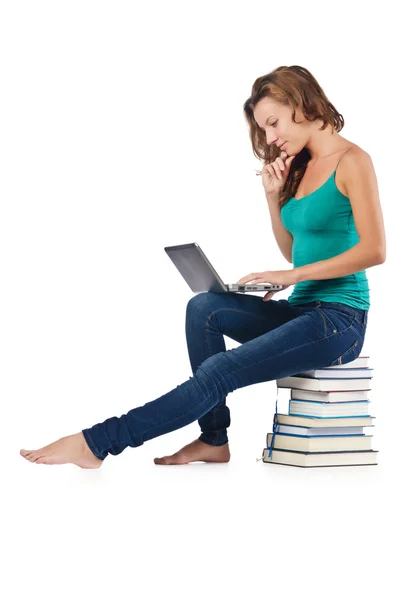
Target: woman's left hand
x=284, y=278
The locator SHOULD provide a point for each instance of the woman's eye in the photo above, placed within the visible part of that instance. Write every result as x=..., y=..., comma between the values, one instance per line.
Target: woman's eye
x=274, y=124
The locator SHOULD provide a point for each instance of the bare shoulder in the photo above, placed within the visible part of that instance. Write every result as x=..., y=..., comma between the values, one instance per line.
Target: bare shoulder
x=356, y=150
x=354, y=160
x=358, y=173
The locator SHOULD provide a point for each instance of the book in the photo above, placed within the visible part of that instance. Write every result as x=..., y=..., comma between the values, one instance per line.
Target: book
x=327, y=413
x=328, y=409
x=321, y=459
x=336, y=396
x=299, y=430
x=284, y=441
x=323, y=385
x=332, y=373
x=310, y=421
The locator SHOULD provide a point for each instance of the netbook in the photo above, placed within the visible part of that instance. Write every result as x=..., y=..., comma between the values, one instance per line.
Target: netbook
x=201, y=276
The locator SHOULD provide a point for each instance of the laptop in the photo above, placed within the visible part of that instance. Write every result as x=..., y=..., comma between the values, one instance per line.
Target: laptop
x=201, y=276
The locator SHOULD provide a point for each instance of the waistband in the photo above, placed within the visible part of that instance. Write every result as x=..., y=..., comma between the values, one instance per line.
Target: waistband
x=355, y=312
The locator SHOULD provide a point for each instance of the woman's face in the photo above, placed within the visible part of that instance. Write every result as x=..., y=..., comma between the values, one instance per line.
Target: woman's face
x=276, y=121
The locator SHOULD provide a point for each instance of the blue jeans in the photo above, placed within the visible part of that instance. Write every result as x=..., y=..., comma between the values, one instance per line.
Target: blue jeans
x=277, y=339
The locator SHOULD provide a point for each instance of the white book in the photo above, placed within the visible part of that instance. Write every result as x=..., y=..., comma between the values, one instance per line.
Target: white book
x=321, y=422
x=320, y=444
x=324, y=385
x=319, y=431
x=338, y=396
x=332, y=373
x=327, y=409
x=320, y=459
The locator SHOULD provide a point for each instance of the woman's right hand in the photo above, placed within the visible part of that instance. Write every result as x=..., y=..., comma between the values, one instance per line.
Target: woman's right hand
x=274, y=175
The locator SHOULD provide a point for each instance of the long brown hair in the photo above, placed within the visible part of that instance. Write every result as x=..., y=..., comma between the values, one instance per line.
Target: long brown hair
x=295, y=87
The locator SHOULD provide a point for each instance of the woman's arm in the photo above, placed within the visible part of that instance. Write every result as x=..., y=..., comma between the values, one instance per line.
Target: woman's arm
x=359, y=179
x=283, y=237
x=352, y=261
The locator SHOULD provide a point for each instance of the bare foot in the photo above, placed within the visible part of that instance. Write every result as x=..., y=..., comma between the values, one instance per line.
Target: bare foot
x=196, y=450
x=69, y=449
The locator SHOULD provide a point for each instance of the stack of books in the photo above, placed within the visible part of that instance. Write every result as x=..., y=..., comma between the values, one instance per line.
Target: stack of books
x=324, y=427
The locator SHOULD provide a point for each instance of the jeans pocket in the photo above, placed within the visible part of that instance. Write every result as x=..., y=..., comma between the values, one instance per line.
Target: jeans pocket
x=335, y=321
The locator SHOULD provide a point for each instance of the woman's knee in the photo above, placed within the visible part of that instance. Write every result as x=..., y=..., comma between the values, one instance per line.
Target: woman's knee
x=204, y=303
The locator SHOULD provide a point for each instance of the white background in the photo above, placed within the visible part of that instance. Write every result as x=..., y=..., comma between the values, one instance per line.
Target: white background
x=122, y=131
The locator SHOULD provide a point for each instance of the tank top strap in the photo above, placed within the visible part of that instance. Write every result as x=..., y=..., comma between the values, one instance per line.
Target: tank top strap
x=343, y=156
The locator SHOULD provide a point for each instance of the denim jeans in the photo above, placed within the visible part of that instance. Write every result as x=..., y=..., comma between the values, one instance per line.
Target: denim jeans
x=277, y=339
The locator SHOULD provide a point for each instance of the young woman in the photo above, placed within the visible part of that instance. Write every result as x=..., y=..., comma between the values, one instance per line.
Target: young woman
x=326, y=216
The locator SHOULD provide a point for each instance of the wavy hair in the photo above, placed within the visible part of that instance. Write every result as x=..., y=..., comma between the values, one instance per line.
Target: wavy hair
x=295, y=87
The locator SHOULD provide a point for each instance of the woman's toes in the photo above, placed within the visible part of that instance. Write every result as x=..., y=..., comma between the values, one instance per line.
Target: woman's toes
x=161, y=461
x=68, y=449
x=28, y=454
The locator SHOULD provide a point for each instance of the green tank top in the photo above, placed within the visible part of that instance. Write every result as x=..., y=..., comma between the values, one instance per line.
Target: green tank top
x=322, y=226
